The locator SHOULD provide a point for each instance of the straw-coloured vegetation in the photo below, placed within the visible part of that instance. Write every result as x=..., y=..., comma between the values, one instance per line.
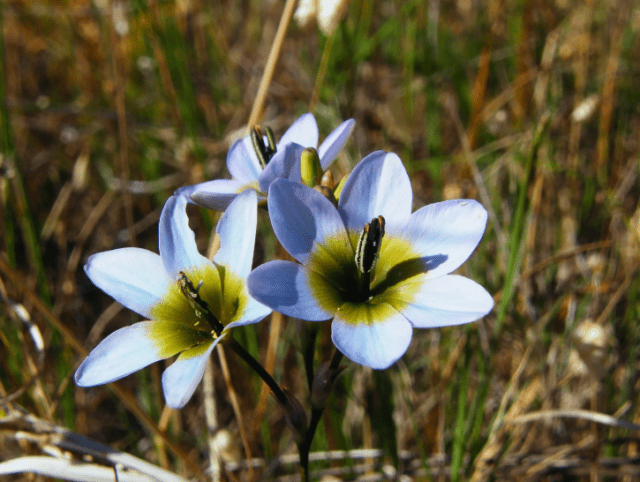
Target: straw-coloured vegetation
x=531, y=108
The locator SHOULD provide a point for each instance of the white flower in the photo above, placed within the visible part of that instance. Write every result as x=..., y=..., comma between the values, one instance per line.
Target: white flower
x=247, y=169
x=191, y=302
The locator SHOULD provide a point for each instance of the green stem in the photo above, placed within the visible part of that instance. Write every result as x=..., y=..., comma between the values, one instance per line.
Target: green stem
x=258, y=368
x=311, y=333
x=316, y=416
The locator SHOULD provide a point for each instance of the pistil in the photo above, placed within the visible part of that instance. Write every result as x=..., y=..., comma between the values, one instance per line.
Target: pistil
x=201, y=307
x=368, y=251
x=264, y=151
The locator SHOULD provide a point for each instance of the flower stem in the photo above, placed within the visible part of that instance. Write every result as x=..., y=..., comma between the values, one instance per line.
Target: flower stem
x=316, y=415
x=258, y=368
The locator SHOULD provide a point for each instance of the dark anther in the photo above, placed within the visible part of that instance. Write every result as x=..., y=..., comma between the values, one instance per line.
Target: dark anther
x=369, y=244
x=200, y=306
x=264, y=151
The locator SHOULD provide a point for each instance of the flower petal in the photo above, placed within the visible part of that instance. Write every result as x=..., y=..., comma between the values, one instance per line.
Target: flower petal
x=253, y=313
x=444, y=301
x=302, y=218
x=123, y=352
x=446, y=233
x=378, y=185
x=181, y=379
x=134, y=277
x=237, y=231
x=242, y=161
x=215, y=195
x=285, y=163
x=283, y=286
x=371, y=335
x=304, y=131
x=178, y=248
x=334, y=143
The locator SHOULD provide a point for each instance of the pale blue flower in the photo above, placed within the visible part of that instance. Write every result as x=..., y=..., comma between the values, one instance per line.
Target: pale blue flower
x=191, y=302
x=408, y=284
x=247, y=171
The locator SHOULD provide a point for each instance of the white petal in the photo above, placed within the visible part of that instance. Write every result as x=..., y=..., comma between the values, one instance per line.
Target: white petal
x=285, y=163
x=302, y=217
x=253, y=313
x=178, y=248
x=134, y=277
x=215, y=195
x=242, y=161
x=123, y=352
x=282, y=285
x=303, y=131
x=444, y=301
x=237, y=231
x=446, y=233
x=181, y=379
x=372, y=343
x=334, y=143
x=378, y=185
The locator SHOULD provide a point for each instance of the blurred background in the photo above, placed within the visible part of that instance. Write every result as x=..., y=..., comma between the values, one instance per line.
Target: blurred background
x=532, y=107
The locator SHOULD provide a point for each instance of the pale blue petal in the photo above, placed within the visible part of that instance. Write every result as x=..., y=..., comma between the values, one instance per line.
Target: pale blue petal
x=181, y=379
x=134, y=277
x=285, y=163
x=282, y=285
x=237, y=231
x=178, y=248
x=242, y=161
x=444, y=301
x=446, y=233
x=334, y=143
x=303, y=131
x=123, y=352
x=253, y=313
x=215, y=195
x=377, y=345
x=378, y=185
x=302, y=218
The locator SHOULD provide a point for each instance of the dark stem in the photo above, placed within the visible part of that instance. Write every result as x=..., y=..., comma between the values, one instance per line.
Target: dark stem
x=316, y=416
x=258, y=368
x=311, y=333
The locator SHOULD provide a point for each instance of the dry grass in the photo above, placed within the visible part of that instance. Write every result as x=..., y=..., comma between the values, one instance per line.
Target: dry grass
x=531, y=107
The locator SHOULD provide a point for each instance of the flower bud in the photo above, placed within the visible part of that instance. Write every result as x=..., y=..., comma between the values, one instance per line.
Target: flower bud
x=310, y=168
x=328, y=193
x=295, y=416
x=338, y=189
x=327, y=180
x=323, y=381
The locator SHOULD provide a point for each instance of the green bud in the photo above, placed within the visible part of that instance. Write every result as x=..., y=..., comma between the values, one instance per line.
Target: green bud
x=338, y=189
x=310, y=168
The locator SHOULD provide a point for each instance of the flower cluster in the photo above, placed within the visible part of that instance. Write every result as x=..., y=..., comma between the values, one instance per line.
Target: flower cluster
x=364, y=260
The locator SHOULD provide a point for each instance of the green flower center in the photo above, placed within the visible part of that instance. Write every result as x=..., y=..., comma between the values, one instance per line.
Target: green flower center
x=336, y=277
x=197, y=307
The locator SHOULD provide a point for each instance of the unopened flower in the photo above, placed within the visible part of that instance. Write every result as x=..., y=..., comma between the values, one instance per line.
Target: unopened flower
x=191, y=302
x=255, y=161
x=370, y=264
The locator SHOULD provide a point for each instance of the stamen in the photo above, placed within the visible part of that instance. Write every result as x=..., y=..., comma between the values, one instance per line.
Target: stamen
x=369, y=244
x=200, y=306
x=264, y=151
